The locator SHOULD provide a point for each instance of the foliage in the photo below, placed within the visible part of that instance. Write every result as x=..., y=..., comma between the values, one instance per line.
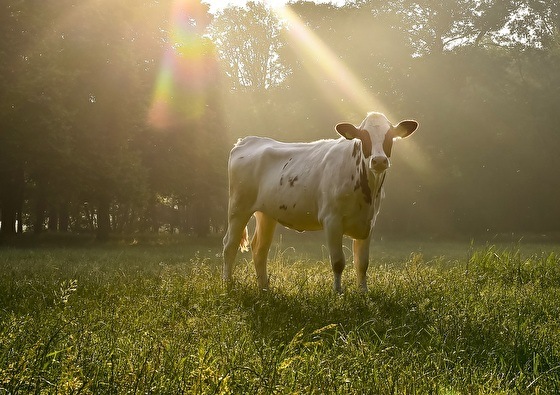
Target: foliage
x=77, y=91
x=157, y=319
x=480, y=78
x=97, y=105
x=248, y=40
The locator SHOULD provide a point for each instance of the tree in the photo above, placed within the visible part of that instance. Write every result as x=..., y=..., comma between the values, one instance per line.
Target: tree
x=113, y=113
x=30, y=116
x=109, y=92
x=187, y=158
x=248, y=40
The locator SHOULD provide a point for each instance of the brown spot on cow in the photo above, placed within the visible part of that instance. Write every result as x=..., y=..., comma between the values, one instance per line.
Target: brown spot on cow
x=283, y=207
x=364, y=185
x=292, y=180
x=287, y=163
x=356, y=149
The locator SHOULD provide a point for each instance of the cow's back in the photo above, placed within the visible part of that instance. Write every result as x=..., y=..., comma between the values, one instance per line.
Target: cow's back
x=282, y=180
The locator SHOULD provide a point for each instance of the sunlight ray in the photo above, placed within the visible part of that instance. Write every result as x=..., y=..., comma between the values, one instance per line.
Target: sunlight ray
x=346, y=92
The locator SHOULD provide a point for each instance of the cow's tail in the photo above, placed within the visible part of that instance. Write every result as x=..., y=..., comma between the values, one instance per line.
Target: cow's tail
x=244, y=244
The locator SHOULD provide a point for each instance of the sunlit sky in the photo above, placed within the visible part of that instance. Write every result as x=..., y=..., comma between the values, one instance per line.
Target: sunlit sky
x=216, y=5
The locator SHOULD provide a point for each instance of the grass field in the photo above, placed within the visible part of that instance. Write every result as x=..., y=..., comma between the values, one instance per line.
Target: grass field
x=438, y=319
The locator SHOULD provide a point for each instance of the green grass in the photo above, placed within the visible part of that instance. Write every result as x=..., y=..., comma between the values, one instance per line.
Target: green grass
x=156, y=319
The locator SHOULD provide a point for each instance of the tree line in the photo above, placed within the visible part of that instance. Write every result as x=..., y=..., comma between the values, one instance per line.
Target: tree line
x=118, y=118
x=106, y=110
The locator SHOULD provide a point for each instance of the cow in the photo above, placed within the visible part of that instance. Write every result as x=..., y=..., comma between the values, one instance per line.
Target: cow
x=335, y=185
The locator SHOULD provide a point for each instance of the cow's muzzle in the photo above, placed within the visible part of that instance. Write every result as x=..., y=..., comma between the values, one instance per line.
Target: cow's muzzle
x=379, y=163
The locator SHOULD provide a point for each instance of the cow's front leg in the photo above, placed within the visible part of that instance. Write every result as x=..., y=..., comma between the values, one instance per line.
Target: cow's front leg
x=333, y=229
x=360, y=250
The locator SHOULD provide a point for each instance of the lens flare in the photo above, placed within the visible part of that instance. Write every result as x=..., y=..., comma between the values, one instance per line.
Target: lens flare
x=187, y=71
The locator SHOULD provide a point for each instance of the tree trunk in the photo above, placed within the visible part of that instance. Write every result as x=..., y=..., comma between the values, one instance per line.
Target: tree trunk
x=201, y=220
x=103, y=219
x=8, y=225
x=152, y=215
x=63, y=218
x=11, y=199
x=20, y=220
x=53, y=219
x=40, y=208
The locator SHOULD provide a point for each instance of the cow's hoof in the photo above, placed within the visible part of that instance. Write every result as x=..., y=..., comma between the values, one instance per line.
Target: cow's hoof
x=338, y=290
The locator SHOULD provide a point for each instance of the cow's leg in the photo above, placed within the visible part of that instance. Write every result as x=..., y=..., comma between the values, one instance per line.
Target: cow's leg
x=264, y=232
x=333, y=228
x=232, y=239
x=360, y=249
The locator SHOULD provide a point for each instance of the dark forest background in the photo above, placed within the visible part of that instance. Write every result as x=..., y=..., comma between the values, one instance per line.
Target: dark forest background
x=117, y=117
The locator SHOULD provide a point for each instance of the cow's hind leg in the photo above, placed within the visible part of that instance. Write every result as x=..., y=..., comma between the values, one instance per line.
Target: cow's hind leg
x=232, y=240
x=360, y=249
x=333, y=229
x=260, y=245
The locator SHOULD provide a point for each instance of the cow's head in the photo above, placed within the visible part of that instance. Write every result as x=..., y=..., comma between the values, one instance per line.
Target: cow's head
x=377, y=135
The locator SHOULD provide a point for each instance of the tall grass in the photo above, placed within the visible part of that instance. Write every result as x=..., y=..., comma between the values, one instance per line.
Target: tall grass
x=158, y=320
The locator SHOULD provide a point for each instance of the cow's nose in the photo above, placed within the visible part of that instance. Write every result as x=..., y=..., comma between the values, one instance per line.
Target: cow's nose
x=379, y=163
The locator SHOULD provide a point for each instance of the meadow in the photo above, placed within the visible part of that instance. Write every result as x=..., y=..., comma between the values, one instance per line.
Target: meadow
x=155, y=318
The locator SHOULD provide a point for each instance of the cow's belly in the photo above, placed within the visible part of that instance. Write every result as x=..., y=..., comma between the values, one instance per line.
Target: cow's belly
x=355, y=227
x=303, y=214
x=300, y=218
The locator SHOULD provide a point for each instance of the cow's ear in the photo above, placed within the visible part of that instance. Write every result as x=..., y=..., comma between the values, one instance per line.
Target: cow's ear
x=347, y=130
x=405, y=128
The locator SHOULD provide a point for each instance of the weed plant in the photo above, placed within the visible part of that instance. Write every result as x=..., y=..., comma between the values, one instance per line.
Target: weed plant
x=158, y=320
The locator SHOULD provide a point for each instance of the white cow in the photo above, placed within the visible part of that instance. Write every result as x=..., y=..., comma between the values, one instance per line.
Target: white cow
x=335, y=185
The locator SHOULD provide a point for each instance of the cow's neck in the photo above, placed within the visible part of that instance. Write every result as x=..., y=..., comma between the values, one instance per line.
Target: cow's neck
x=376, y=181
